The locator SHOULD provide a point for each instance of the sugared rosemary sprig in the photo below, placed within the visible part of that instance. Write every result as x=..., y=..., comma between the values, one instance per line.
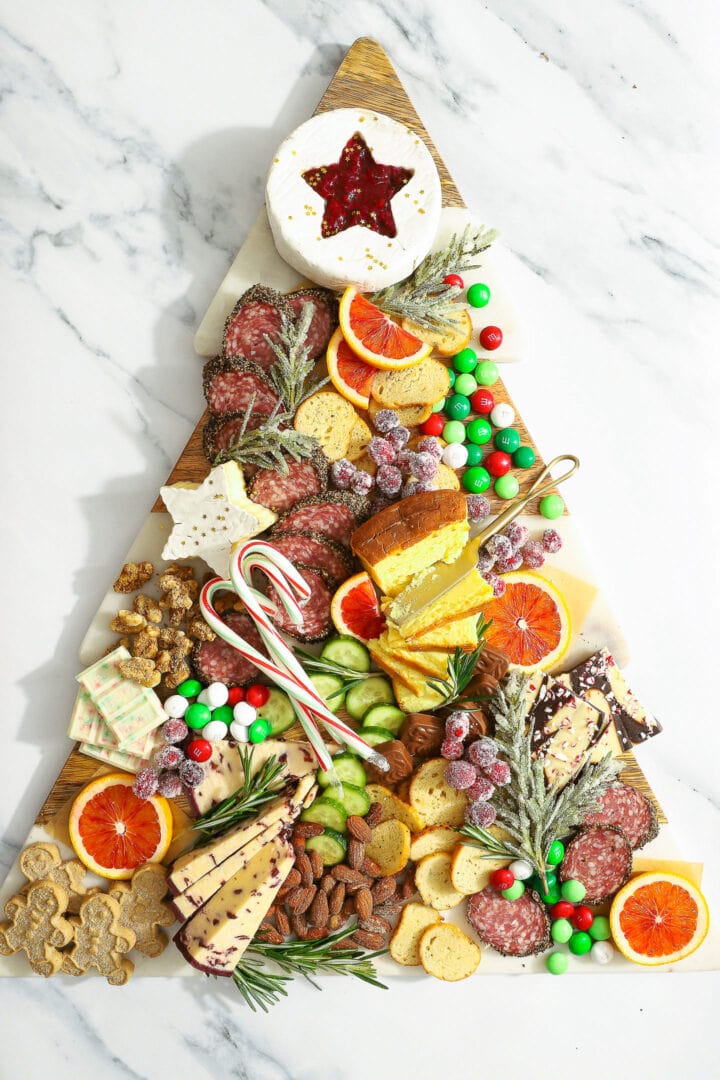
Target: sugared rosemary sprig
x=293, y=365
x=423, y=297
x=253, y=793
x=267, y=445
x=262, y=988
x=460, y=670
x=349, y=676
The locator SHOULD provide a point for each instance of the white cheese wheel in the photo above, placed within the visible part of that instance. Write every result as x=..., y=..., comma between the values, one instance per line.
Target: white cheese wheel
x=357, y=256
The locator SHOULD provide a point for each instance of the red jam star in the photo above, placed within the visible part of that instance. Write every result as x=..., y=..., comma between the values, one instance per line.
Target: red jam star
x=357, y=190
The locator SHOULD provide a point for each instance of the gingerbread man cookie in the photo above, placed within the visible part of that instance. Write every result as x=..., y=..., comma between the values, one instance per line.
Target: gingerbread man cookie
x=100, y=941
x=43, y=861
x=142, y=909
x=37, y=927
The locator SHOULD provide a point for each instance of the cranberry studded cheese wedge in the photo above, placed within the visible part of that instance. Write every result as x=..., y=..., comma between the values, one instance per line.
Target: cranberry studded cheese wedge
x=353, y=198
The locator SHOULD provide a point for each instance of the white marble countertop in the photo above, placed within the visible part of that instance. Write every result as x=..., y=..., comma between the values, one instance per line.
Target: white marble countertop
x=134, y=146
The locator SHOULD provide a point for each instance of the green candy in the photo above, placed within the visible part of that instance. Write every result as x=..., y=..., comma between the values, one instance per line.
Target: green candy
x=507, y=440
x=479, y=430
x=561, y=931
x=474, y=454
x=478, y=295
x=457, y=407
x=580, y=943
x=556, y=853
x=451, y=376
x=487, y=373
x=551, y=879
x=551, y=896
x=189, y=688
x=223, y=713
x=600, y=928
x=557, y=963
x=507, y=486
x=524, y=457
x=454, y=431
x=514, y=892
x=439, y=405
x=465, y=361
x=197, y=715
x=551, y=507
x=465, y=384
x=259, y=730
x=476, y=480
x=573, y=890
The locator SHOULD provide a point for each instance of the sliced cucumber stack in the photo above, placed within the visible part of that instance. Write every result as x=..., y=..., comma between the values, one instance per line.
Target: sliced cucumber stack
x=278, y=711
x=377, y=690
x=355, y=799
x=331, y=846
x=375, y=735
x=384, y=716
x=347, y=651
x=328, y=812
x=330, y=689
x=348, y=768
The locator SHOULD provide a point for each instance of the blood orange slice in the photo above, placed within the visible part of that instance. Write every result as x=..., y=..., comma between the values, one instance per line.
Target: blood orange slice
x=658, y=918
x=373, y=336
x=530, y=622
x=355, y=609
x=350, y=375
x=113, y=831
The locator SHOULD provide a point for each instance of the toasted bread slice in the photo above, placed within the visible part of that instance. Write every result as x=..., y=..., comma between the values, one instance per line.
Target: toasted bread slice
x=405, y=942
x=458, y=634
x=390, y=846
x=433, y=881
x=434, y=838
x=409, y=416
x=449, y=340
x=446, y=479
x=360, y=436
x=447, y=953
x=394, y=809
x=469, y=871
x=330, y=419
x=416, y=700
x=423, y=384
x=438, y=803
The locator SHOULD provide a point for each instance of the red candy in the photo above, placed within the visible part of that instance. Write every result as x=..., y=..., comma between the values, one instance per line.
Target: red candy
x=498, y=463
x=235, y=694
x=454, y=279
x=257, y=695
x=562, y=910
x=482, y=401
x=583, y=917
x=433, y=425
x=199, y=750
x=491, y=338
x=502, y=879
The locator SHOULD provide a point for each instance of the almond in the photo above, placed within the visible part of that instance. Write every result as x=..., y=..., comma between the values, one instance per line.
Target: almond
x=388, y=911
x=300, y=898
x=359, y=829
x=316, y=862
x=376, y=924
x=370, y=867
x=328, y=883
x=269, y=934
x=298, y=843
x=366, y=939
x=355, y=854
x=304, y=868
x=299, y=925
x=363, y=904
x=319, y=911
x=316, y=933
x=348, y=875
x=337, y=898
x=383, y=889
x=362, y=883
x=374, y=814
x=292, y=879
x=334, y=922
x=408, y=887
x=282, y=922
x=306, y=829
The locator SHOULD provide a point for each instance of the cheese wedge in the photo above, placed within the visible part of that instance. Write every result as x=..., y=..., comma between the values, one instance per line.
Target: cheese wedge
x=458, y=634
x=411, y=614
x=224, y=774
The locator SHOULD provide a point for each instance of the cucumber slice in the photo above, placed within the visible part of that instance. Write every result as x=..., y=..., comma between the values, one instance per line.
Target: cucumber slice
x=347, y=651
x=278, y=712
x=384, y=716
x=355, y=799
x=327, y=687
x=348, y=768
x=377, y=690
x=375, y=735
x=327, y=812
x=331, y=845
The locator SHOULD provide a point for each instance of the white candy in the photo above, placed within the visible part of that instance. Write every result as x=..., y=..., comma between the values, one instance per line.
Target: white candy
x=215, y=731
x=521, y=869
x=238, y=731
x=602, y=952
x=502, y=415
x=176, y=706
x=244, y=714
x=202, y=698
x=455, y=455
x=216, y=695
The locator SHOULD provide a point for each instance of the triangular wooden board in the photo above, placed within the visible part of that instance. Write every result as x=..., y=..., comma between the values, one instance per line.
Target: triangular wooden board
x=366, y=79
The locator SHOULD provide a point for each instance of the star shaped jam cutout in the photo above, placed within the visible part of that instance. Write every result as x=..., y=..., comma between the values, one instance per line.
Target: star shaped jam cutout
x=357, y=190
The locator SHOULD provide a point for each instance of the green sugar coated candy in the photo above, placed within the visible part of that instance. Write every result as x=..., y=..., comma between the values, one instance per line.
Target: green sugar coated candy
x=197, y=715
x=479, y=430
x=189, y=688
x=561, y=931
x=465, y=361
x=478, y=295
x=556, y=853
x=474, y=454
x=454, y=431
x=557, y=963
x=514, y=892
x=465, y=384
x=487, y=373
x=600, y=929
x=507, y=486
x=223, y=713
x=551, y=507
x=451, y=376
x=439, y=405
x=476, y=480
x=259, y=730
x=573, y=890
x=580, y=943
x=524, y=457
x=457, y=407
x=507, y=440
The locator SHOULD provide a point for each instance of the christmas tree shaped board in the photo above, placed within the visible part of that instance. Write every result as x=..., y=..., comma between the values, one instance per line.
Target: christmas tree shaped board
x=544, y=594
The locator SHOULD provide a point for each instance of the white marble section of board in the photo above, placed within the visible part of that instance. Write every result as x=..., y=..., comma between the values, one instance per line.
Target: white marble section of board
x=259, y=261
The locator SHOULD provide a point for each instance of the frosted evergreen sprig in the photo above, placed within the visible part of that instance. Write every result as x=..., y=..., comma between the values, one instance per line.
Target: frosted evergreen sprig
x=293, y=364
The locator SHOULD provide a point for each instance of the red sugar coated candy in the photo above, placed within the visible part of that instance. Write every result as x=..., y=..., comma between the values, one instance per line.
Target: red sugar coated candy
x=361, y=483
x=454, y=279
x=517, y=534
x=235, y=694
x=342, y=472
x=533, y=554
x=385, y=420
x=496, y=583
x=582, y=918
x=498, y=463
x=257, y=695
x=482, y=789
x=169, y=757
x=452, y=749
x=460, y=775
x=429, y=445
x=433, y=425
x=499, y=773
x=388, y=480
x=381, y=451
x=502, y=879
x=174, y=731
x=457, y=725
x=425, y=466
x=490, y=337
x=146, y=783
x=170, y=785
x=499, y=546
x=480, y=813
x=398, y=437
x=482, y=401
x=551, y=541
x=199, y=750
x=478, y=507
x=506, y=565
x=562, y=910
x=482, y=753
x=191, y=773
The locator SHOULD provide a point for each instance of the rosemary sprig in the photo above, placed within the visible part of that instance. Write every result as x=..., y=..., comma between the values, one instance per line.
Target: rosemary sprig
x=262, y=988
x=290, y=372
x=424, y=297
x=460, y=670
x=267, y=445
x=350, y=676
x=253, y=793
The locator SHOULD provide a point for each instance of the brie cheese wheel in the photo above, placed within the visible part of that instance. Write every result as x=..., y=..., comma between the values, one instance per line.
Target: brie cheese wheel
x=358, y=255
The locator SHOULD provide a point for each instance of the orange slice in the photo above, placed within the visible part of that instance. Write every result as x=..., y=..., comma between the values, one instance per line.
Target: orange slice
x=373, y=336
x=350, y=375
x=355, y=609
x=659, y=918
x=449, y=340
x=530, y=622
x=113, y=831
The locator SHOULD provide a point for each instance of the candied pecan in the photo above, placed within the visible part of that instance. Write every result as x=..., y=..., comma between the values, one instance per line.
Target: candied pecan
x=269, y=934
x=304, y=866
x=376, y=924
x=128, y=622
x=348, y=875
x=175, y=616
x=199, y=630
x=176, y=676
x=370, y=867
x=123, y=643
x=145, y=643
x=359, y=829
x=139, y=671
x=133, y=576
x=317, y=864
x=147, y=606
x=185, y=573
x=299, y=899
x=363, y=903
x=374, y=814
x=163, y=661
x=383, y=889
x=355, y=854
x=307, y=829
x=337, y=898
x=319, y=911
x=366, y=939
x=282, y=922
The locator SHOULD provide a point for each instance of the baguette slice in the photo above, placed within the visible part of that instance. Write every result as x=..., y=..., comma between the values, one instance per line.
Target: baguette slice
x=394, y=808
x=409, y=416
x=448, y=954
x=434, y=838
x=360, y=436
x=405, y=942
x=330, y=419
x=390, y=846
x=433, y=881
x=470, y=872
x=423, y=384
x=438, y=803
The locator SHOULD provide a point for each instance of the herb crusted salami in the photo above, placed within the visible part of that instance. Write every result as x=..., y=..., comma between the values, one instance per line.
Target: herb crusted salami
x=512, y=927
x=316, y=609
x=630, y=810
x=221, y=431
x=232, y=383
x=307, y=477
x=257, y=313
x=324, y=320
x=335, y=514
x=600, y=857
x=217, y=661
x=314, y=549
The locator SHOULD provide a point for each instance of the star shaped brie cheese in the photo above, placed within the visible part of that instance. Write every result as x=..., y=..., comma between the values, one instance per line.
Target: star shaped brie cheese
x=211, y=517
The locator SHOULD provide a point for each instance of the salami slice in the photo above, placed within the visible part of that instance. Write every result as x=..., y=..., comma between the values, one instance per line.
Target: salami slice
x=601, y=858
x=216, y=661
x=630, y=810
x=317, y=551
x=324, y=320
x=220, y=431
x=258, y=312
x=316, y=610
x=231, y=383
x=280, y=493
x=512, y=927
x=335, y=514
